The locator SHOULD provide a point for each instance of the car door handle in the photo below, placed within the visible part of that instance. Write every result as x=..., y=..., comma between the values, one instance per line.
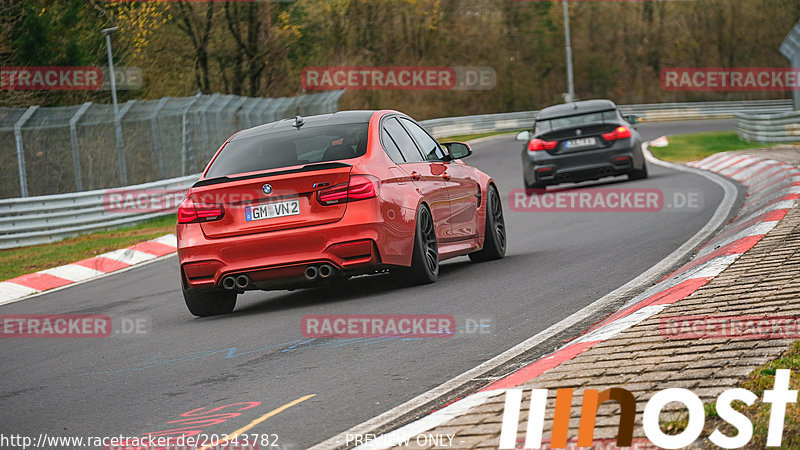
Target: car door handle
x=416, y=176
x=446, y=177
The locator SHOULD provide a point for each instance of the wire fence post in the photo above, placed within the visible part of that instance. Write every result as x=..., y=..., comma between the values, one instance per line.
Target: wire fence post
x=204, y=117
x=248, y=111
x=234, y=109
x=73, y=137
x=790, y=48
x=123, y=170
x=185, y=130
x=156, y=140
x=218, y=131
x=23, y=180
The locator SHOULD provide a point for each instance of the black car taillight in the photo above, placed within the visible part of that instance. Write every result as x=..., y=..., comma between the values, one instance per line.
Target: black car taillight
x=359, y=187
x=536, y=145
x=191, y=212
x=619, y=133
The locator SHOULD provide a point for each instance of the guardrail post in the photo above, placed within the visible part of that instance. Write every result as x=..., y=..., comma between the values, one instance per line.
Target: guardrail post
x=23, y=177
x=185, y=130
x=156, y=140
x=73, y=137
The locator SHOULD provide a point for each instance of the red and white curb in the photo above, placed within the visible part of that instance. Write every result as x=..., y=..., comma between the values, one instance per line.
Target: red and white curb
x=772, y=190
x=772, y=186
x=23, y=286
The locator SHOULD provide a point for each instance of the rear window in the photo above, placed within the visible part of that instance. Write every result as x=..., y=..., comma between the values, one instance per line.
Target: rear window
x=291, y=148
x=544, y=126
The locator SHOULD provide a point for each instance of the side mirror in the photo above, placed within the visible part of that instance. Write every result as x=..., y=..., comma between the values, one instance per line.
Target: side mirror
x=633, y=119
x=523, y=136
x=457, y=150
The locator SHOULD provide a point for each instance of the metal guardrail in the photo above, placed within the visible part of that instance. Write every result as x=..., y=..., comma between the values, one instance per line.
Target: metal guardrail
x=780, y=127
x=50, y=218
x=38, y=220
x=654, y=112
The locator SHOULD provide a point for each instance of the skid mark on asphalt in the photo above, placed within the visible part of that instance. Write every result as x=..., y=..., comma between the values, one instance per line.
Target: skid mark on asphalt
x=285, y=347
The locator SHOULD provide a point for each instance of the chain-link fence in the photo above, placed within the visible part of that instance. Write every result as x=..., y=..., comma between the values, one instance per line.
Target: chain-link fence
x=56, y=150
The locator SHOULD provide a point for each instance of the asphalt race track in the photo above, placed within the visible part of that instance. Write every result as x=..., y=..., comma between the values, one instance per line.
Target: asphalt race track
x=557, y=263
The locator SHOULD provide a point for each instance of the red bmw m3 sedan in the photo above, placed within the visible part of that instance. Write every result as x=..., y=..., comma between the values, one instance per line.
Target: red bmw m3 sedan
x=306, y=201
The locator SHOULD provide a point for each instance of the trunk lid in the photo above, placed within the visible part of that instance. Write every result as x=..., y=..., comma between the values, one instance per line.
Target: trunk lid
x=279, y=200
x=578, y=139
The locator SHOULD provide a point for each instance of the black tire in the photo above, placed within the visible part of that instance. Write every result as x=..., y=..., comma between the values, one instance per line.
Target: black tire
x=425, y=257
x=533, y=187
x=209, y=303
x=494, y=244
x=640, y=174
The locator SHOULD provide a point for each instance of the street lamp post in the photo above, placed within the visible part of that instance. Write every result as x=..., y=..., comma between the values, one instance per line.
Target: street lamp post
x=568, y=50
x=123, y=172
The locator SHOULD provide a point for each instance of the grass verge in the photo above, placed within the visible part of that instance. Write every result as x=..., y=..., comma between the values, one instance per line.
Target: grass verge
x=469, y=137
x=760, y=380
x=696, y=146
x=20, y=261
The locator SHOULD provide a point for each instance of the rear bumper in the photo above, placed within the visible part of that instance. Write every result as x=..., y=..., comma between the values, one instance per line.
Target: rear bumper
x=278, y=259
x=544, y=168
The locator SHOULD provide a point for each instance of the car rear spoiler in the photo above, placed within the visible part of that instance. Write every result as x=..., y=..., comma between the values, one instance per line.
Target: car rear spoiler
x=306, y=168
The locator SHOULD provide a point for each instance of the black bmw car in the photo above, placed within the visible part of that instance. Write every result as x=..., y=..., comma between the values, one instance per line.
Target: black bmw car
x=580, y=141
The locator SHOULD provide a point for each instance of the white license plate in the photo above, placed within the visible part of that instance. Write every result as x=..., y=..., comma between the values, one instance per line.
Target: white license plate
x=582, y=142
x=272, y=210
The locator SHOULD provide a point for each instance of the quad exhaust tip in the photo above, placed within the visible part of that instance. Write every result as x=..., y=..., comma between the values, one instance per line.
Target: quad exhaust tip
x=311, y=273
x=229, y=283
x=243, y=281
x=326, y=271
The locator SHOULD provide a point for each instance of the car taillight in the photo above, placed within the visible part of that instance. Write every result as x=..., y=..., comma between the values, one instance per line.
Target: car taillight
x=359, y=187
x=619, y=133
x=537, y=144
x=190, y=212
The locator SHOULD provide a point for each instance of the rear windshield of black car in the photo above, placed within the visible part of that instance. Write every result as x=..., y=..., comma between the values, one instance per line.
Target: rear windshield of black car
x=545, y=126
x=286, y=148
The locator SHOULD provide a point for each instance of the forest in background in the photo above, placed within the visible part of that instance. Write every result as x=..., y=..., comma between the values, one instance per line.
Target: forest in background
x=260, y=48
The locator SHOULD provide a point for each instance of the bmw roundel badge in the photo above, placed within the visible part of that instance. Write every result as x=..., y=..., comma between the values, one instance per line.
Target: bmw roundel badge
x=267, y=188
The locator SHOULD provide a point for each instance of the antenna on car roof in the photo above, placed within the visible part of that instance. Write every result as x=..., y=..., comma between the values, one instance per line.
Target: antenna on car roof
x=298, y=122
